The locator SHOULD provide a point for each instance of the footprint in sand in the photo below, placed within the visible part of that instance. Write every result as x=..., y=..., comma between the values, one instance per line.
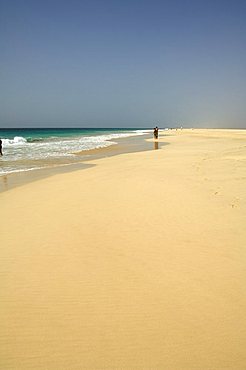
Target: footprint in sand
x=235, y=204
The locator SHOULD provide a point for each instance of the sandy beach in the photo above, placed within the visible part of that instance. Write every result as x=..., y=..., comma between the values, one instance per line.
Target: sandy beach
x=137, y=262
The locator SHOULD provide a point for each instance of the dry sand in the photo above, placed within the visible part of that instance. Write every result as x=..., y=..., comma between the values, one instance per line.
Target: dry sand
x=136, y=263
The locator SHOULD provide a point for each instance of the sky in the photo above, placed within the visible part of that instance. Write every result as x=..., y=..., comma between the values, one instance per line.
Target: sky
x=131, y=63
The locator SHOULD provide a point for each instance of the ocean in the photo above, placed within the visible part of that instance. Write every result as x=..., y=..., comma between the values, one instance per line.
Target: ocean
x=26, y=149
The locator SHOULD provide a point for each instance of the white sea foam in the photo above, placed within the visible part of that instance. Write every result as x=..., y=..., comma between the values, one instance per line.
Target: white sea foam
x=21, y=154
x=7, y=171
x=18, y=140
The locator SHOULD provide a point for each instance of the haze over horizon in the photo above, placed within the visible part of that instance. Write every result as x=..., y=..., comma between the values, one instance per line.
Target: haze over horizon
x=123, y=64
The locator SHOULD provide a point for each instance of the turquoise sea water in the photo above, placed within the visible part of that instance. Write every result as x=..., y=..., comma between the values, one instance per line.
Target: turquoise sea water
x=30, y=149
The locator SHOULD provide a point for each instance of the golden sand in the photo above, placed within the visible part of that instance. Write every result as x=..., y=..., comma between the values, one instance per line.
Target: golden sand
x=136, y=263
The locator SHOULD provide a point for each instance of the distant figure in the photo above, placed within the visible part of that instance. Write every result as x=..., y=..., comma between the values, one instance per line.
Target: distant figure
x=156, y=132
x=1, y=145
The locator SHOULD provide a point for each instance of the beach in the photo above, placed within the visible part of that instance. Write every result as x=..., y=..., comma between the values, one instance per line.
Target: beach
x=136, y=262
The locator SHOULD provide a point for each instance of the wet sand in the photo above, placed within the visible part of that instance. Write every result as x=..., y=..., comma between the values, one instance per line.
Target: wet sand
x=137, y=262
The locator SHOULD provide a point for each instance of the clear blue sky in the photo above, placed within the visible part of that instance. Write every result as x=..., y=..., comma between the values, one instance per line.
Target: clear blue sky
x=122, y=63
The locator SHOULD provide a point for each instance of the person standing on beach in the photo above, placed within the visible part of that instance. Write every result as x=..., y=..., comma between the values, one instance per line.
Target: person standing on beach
x=156, y=132
x=1, y=153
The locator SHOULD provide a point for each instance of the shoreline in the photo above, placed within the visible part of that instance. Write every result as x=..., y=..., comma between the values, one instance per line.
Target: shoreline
x=124, y=145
